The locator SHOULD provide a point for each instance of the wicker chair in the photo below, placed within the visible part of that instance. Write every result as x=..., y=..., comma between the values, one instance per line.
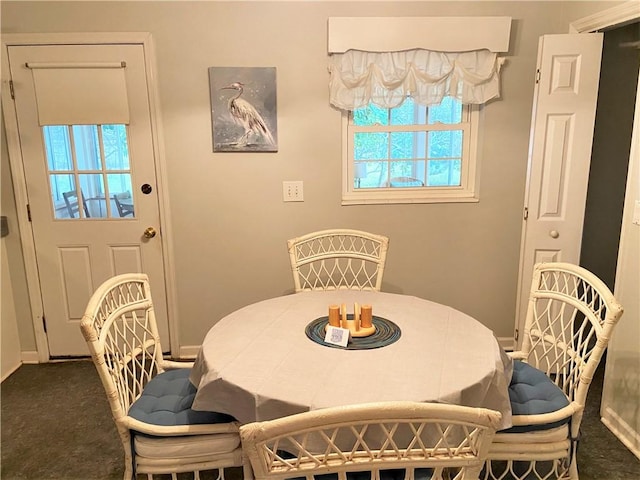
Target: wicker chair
x=150, y=398
x=569, y=322
x=124, y=204
x=338, y=259
x=72, y=203
x=407, y=440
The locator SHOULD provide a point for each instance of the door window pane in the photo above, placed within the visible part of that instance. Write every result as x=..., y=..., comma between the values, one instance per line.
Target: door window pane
x=87, y=147
x=63, y=205
x=120, y=191
x=92, y=188
x=116, y=149
x=58, y=148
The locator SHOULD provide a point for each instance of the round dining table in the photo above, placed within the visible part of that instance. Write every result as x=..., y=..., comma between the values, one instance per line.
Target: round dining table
x=261, y=362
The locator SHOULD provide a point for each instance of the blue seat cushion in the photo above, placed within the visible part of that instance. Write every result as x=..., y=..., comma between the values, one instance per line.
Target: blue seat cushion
x=532, y=392
x=167, y=399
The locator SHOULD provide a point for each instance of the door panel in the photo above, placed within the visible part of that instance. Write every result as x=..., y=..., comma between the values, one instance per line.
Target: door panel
x=84, y=180
x=560, y=152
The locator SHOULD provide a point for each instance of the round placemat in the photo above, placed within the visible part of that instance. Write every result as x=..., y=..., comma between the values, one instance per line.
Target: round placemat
x=386, y=333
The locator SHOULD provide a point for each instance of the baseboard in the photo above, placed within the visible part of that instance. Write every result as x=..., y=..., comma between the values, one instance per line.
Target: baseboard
x=506, y=343
x=10, y=371
x=29, y=357
x=188, y=352
x=621, y=429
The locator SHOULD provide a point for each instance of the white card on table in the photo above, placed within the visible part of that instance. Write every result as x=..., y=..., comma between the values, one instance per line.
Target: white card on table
x=337, y=336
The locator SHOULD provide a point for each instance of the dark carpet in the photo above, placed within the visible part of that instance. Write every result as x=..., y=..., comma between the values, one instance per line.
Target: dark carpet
x=56, y=424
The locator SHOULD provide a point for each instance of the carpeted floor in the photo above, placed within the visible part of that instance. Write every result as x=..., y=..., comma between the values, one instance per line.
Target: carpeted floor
x=56, y=424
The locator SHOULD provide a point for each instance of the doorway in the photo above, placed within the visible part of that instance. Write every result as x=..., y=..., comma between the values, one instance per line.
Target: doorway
x=610, y=153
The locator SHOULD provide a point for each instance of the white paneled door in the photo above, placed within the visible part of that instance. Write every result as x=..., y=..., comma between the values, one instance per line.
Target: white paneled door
x=84, y=124
x=564, y=109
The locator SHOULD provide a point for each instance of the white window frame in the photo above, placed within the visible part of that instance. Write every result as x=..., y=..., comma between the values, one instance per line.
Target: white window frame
x=467, y=191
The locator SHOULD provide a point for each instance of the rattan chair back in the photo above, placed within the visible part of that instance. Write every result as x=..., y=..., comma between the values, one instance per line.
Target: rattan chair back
x=338, y=259
x=570, y=319
x=120, y=329
x=569, y=323
x=449, y=439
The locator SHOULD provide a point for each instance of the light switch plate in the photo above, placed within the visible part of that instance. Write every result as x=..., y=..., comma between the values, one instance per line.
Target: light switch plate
x=292, y=191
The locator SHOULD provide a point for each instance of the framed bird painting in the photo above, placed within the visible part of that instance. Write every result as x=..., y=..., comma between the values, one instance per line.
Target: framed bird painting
x=243, y=109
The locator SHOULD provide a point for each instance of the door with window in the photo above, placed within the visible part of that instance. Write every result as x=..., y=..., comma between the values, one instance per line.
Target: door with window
x=84, y=124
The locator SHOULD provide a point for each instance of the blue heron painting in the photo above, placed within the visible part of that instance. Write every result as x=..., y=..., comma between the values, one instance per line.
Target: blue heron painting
x=243, y=109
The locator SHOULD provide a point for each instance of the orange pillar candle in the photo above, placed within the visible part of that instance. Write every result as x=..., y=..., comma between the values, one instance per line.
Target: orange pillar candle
x=343, y=315
x=334, y=315
x=366, y=316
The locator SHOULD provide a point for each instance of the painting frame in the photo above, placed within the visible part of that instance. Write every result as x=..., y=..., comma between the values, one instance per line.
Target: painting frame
x=243, y=109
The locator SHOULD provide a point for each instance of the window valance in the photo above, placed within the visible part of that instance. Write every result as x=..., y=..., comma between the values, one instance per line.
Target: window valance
x=358, y=78
x=385, y=59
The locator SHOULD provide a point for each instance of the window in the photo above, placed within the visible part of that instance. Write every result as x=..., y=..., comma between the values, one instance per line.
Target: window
x=411, y=153
x=88, y=164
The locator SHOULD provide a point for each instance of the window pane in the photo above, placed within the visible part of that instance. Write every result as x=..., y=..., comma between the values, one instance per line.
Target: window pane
x=449, y=111
x=371, y=115
x=58, y=148
x=405, y=182
x=443, y=173
x=408, y=113
x=371, y=146
x=120, y=192
x=60, y=185
x=85, y=139
x=371, y=174
x=445, y=144
x=408, y=145
x=92, y=186
x=403, y=173
x=116, y=148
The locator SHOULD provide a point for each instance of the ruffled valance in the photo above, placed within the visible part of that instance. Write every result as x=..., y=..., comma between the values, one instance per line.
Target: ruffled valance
x=359, y=78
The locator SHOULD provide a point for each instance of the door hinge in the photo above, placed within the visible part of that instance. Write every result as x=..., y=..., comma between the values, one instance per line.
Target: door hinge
x=13, y=93
x=44, y=324
x=516, y=335
x=525, y=214
x=28, y=212
x=538, y=75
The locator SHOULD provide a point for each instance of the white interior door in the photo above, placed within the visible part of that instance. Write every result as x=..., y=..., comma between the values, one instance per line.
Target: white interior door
x=563, y=118
x=85, y=132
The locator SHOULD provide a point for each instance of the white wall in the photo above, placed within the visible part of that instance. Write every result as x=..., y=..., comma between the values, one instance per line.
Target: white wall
x=230, y=225
x=10, y=342
x=621, y=394
x=9, y=338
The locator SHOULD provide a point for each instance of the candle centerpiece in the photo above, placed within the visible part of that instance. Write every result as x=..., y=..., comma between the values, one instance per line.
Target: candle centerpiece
x=359, y=324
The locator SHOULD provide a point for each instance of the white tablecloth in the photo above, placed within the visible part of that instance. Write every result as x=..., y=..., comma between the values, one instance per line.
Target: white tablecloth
x=258, y=364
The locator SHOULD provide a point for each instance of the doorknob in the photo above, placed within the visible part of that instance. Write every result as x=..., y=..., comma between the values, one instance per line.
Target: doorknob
x=554, y=234
x=149, y=232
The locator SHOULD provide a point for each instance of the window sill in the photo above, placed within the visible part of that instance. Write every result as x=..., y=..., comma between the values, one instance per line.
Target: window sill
x=385, y=197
